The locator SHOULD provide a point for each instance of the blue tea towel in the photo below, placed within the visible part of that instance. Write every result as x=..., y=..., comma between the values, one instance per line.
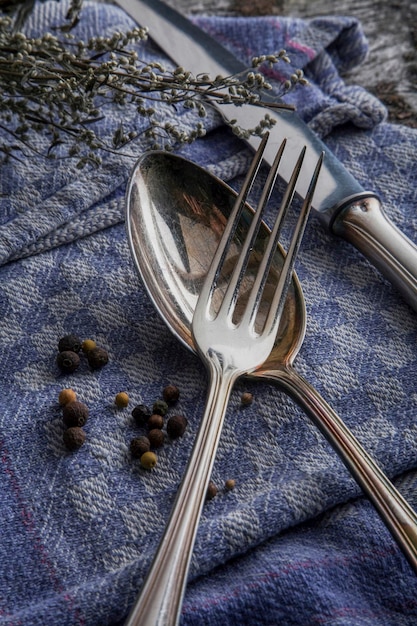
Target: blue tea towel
x=295, y=542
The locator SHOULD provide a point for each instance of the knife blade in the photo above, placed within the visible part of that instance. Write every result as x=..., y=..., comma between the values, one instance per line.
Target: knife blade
x=342, y=205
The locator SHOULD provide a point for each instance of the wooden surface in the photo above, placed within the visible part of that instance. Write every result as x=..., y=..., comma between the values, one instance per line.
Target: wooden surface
x=390, y=70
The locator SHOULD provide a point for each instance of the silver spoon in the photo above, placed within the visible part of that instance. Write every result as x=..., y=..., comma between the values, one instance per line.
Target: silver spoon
x=176, y=212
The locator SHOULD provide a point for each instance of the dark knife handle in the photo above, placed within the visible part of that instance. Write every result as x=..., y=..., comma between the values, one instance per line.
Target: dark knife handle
x=363, y=222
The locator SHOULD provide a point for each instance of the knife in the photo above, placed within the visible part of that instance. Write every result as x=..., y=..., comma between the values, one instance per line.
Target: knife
x=341, y=203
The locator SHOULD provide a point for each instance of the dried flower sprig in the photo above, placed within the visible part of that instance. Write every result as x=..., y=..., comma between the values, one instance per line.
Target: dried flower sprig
x=60, y=87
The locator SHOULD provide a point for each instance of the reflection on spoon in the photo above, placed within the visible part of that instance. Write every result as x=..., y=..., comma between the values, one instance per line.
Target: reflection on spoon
x=176, y=212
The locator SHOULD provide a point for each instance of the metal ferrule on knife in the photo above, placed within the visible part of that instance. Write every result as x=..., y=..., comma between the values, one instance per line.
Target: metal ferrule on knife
x=342, y=205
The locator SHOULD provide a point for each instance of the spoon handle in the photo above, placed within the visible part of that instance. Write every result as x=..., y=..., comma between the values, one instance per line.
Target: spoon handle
x=159, y=602
x=396, y=513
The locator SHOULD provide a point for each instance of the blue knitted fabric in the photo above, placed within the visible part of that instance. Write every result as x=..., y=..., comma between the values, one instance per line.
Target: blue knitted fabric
x=295, y=542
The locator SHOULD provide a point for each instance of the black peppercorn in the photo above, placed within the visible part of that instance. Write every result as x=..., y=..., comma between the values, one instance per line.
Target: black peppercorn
x=156, y=438
x=75, y=414
x=141, y=413
x=176, y=426
x=211, y=491
x=155, y=421
x=97, y=357
x=74, y=437
x=171, y=393
x=160, y=407
x=69, y=342
x=139, y=446
x=68, y=361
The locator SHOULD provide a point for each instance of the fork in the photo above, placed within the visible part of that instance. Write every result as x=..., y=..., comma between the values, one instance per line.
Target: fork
x=229, y=349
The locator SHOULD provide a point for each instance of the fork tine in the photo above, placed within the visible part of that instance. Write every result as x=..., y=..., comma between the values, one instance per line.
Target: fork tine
x=280, y=294
x=241, y=264
x=230, y=228
x=265, y=264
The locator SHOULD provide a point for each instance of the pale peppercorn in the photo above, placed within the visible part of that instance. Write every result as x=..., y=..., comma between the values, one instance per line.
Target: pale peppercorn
x=88, y=344
x=68, y=361
x=171, y=393
x=139, y=446
x=66, y=396
x=74, y=437
x=121, y=400
x=148, y=460
x=75, y=413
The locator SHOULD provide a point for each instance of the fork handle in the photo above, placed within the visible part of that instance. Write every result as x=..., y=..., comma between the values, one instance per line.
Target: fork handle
x=396, y=513
x=159, y=602
x=364, y=223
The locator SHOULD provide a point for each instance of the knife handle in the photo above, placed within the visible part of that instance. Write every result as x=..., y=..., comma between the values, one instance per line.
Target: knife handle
x=362, y=222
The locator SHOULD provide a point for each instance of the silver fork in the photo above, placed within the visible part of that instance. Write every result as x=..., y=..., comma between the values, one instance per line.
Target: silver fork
x=229, y=349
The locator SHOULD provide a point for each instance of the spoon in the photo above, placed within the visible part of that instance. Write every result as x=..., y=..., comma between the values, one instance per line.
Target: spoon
x=176, y=213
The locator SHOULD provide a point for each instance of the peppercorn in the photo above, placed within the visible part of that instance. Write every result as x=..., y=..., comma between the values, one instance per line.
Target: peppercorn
x=155, y=421
x=68, y=361
x=66, y=396
x=87, y=345
x=75, y=414
x=141, y=413
x=211, y=491
x=246, y=398
x=176, y=426
x=73, y=437
x=139, y=446
x=160, y=407
x=171, y=393
x=97, y=358
x=230, y=484
x=148, y=460
x=69, y=342
x=121, y=400
x=156, y=438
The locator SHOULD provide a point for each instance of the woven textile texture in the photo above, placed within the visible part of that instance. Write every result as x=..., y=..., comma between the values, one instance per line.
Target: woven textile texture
x=294, y=543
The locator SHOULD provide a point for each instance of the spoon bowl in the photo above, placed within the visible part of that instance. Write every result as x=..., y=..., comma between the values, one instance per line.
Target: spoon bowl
x=176, y=214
